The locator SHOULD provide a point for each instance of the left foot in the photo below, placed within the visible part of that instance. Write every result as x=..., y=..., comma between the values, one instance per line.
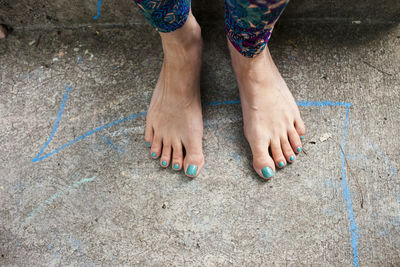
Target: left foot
x=270, y=114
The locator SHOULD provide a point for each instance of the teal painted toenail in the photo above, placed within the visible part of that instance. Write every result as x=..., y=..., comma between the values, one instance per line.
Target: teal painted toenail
x=191, y=170
x=148, y=144
x=176, y=166
x=154, y=154
x=164, y=163
x=267, y=172
x=281, y=164
x=301, y=137
x=292, y=158
x=299, y=149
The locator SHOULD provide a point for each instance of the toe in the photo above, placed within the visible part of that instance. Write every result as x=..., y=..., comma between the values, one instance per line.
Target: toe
x=148, y=135
x=287, y=149
x=156, y=147
x=262, y=162
x=194, y=159
x=177, y=156
x=165, y=155
x=277, y=153
x=300, y=127
x=295, y=141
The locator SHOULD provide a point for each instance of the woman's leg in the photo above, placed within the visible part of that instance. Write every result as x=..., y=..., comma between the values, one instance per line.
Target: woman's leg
x=270, y=114
x=163, y=15
x=174, y=122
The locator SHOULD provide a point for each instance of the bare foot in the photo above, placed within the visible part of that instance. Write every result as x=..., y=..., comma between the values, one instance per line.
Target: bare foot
x=270, y=114
x=174, y=121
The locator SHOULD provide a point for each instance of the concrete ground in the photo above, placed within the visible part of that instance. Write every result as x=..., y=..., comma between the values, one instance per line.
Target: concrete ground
x=78, y=186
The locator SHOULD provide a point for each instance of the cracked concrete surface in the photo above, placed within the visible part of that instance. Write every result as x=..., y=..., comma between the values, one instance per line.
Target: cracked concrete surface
x=97, y=198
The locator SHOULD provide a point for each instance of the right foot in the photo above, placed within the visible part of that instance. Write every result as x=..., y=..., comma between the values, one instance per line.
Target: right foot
x=174, y=121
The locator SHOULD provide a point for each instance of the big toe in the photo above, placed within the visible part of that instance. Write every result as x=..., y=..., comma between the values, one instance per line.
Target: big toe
x=263, y=163
x=194, y=159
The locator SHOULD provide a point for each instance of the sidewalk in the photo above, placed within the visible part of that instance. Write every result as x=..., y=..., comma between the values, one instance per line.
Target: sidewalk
x=78, y=186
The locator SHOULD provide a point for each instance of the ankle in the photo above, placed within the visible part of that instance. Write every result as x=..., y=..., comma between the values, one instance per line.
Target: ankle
x=252, y=68
x=186, y=37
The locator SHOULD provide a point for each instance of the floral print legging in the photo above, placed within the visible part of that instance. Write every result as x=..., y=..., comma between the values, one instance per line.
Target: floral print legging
x=248, y=23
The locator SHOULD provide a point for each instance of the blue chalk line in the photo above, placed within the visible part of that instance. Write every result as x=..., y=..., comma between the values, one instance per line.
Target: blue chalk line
x=59, y=193
x=134, y=116
x=346, y=191
x=98, y=9
x=60, y=112
x=385, y=158
x=219, y=103
x=322, y=104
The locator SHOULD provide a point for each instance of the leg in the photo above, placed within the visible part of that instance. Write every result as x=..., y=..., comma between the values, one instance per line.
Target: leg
x=165, y=16
x=270, y=114
x=174, y=122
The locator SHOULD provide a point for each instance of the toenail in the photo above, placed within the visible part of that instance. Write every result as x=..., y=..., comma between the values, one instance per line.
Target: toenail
x=191, y=170
x=164, y=163
x=301, y=137
x=281, y=164
x=267, y=172
x=148, y=144
x=292, y=158
x=176, y=166
x=298, y=149
x=154, y=154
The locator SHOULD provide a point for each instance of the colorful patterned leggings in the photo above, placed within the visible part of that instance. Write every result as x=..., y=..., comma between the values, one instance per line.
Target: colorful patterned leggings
x=248, y=23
